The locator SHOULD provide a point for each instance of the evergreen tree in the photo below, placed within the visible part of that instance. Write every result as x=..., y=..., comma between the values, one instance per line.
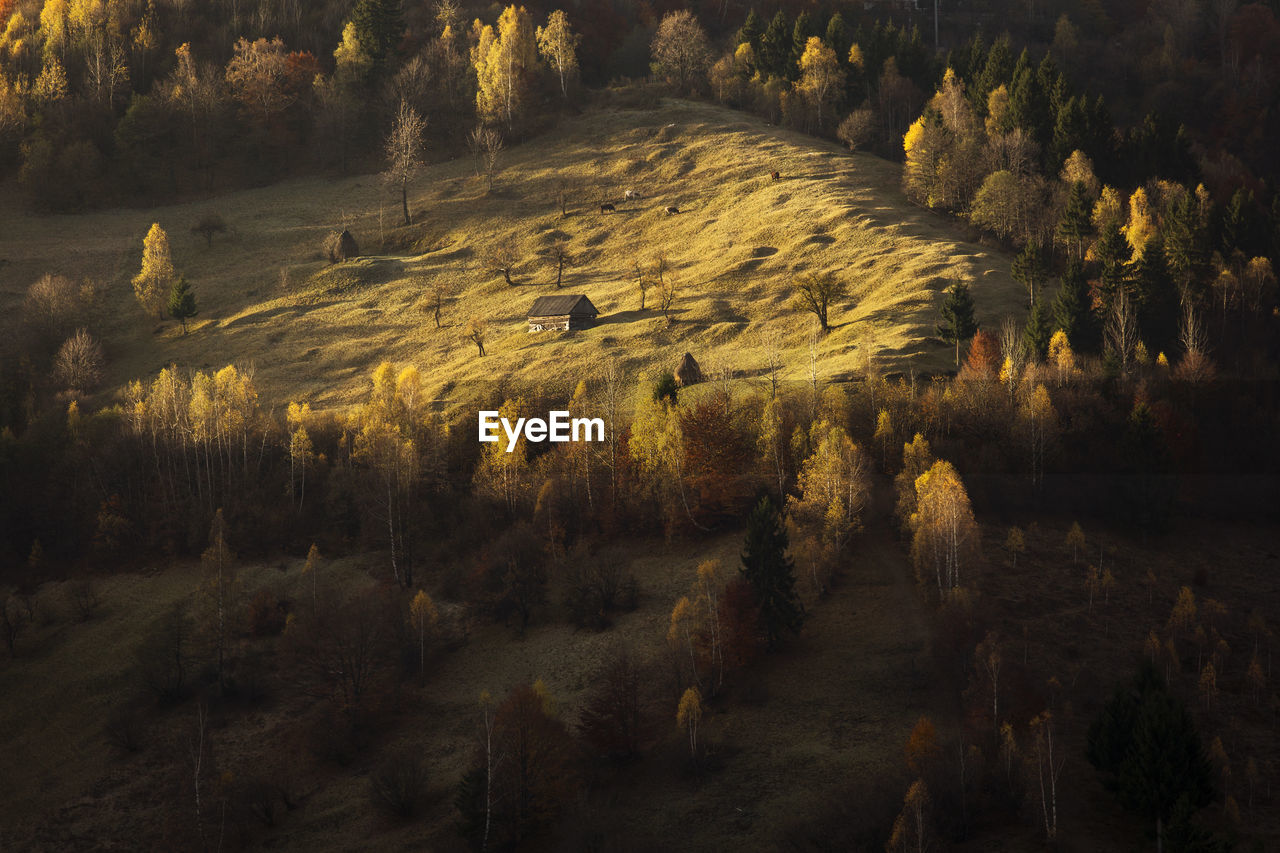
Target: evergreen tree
x=837, y=37
x=1075, y=227
x=379, y=27
x=1146, y=744
x=800, y=34
x=1072, y=312
x=1070, y=128
x=958, y=323
x=775, y=46
x=1239, y=225
x=768, y=569
x=1030, y=269
x=1113, y=253
x=1035, y=338
x=751, y=31
x=997, y=71
x=1187, y=245
x=182, y=302
x=1156, y=296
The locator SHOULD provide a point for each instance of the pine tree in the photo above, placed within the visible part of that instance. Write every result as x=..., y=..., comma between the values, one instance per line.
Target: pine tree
x=1113, y=253
x=1147, y=745
x=751, y=31
x=1074, y=227
x=182, y=302
x=379, y=27
x=958, y=323
x=800, y=34
x=837, y=36
x=767, y=567
x=1030, y=269
x=775, y=46
x=1072, y=312
x=1156, y=296
x=1038, y=332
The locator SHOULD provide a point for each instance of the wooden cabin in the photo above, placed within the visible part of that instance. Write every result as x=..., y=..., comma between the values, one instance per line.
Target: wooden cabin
x=562, y=313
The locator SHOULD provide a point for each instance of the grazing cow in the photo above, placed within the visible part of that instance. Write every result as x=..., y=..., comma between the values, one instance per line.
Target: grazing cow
x=775, y=175
x=607, y=208
x=630, y=195
x=671, y=209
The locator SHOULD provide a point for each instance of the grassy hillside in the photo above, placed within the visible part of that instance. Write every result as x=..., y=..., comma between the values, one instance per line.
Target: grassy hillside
x=315, y=333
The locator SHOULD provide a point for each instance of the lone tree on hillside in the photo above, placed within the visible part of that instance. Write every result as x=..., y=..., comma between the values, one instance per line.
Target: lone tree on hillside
x=182, y=302
x=78, y=365
x=814, y=292
x=681, y=53
x=154, y=280
x=404, y=152
x=486, y=146
x=477, y=328
x=768, y=569
x=560, y=256
x=957, y=324
x=208, y=225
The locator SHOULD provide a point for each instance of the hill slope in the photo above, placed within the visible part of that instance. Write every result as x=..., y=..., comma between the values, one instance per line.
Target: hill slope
x=315, y=333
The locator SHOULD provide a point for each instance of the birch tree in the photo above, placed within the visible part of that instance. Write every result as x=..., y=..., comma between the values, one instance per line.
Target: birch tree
x=558, y=44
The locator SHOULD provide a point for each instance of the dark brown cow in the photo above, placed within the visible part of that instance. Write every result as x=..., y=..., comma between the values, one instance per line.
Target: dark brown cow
x=775, y=175
x=672, y=209
x=607, y=208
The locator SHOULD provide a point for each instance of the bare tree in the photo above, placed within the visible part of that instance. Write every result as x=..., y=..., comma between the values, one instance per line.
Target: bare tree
x=486, y=144
x=51, y=303
x=440, y=289
x=78, y=365
x=502, y=258
x=476, y=331
x=559, y=256
x=1121, y=331
x=404, y=152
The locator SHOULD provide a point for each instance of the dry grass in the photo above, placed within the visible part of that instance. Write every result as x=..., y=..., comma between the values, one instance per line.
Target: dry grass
x=315, y=334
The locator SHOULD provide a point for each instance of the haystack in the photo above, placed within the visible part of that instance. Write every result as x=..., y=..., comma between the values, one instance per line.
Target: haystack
x=341, y=247
x=688, y=373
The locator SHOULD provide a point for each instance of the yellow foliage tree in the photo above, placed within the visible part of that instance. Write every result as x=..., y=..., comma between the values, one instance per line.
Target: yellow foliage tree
x=688, y=715
x=821, y=77
x=503, y=59
x=1141, y=226
x=944, y=531
x=558, y=44
x=152, y=283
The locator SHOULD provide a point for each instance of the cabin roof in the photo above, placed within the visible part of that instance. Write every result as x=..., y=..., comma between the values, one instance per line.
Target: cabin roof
x=566, y=303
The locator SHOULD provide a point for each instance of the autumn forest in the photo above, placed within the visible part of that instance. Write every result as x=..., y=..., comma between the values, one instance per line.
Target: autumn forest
x=935, y=358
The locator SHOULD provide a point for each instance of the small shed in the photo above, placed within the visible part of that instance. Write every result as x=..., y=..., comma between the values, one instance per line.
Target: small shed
x=688, y=373
x=561, y=313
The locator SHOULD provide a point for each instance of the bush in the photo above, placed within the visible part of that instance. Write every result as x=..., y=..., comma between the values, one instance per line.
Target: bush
x=51, y=304
x=124, y=728
x=666, y=388
x=82, y=594
x=208, y=225
x=266, y=614
x=400, y=785
x=78, y=366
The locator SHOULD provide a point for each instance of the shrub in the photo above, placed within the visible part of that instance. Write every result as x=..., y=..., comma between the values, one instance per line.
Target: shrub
x=124, y=728
x=78, y=365
x=51, y=304
x=266, y=614
x=208, y=225
x=400, y=784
